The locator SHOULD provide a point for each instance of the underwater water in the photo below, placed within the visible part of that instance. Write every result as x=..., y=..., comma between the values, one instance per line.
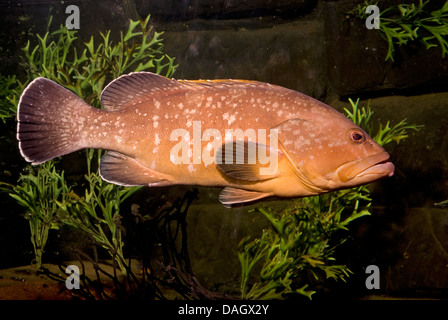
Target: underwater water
x=318, y=48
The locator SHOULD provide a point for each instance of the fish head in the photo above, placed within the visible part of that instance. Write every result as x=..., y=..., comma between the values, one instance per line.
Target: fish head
x=329, y=152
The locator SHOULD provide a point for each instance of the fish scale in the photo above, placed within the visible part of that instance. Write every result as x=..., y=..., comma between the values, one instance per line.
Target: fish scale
x=162, y=132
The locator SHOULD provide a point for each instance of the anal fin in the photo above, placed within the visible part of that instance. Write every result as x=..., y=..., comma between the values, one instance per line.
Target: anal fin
x=230, y=196
x=123, y=170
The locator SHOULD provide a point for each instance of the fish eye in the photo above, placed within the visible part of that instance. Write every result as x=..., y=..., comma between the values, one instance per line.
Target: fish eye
x=357, y=136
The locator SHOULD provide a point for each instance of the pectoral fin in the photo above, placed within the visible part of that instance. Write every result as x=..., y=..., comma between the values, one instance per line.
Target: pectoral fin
x=249, y=161
x=123, y=170
x=230, y=196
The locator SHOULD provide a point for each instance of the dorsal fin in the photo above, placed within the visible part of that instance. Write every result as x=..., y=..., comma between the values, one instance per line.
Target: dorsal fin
x=135, y=88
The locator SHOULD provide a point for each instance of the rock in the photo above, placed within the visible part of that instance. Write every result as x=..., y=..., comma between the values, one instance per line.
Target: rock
x=221, y=9
x=421, y=160
x=288, y=54
x=356, y=59
x=423, y=254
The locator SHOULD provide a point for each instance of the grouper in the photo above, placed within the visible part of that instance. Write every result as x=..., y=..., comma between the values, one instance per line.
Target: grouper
x=254, y=139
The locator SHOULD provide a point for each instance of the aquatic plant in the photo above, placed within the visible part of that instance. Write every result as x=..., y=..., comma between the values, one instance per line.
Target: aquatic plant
x=403, y=23
x=160, y=268
x=40, y=192
x=55, y=56
x=384, y=134
x=298, y=245
x=97, y=212
x=85, y=73
x=301, y=241
x=10, y=89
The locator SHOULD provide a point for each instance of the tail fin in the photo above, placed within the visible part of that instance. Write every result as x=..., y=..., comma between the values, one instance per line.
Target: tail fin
x=50, y=120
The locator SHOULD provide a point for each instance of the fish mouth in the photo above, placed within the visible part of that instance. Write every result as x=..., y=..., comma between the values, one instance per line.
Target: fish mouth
x=367, y=170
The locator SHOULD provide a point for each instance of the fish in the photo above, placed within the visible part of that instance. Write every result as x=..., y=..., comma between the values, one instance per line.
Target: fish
x=253, y=139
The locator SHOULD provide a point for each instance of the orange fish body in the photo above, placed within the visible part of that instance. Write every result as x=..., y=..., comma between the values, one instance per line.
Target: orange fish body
x=255, y=139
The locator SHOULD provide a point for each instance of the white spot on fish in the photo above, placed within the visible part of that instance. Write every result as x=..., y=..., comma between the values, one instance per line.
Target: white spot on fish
x=230, y=119
x=157, y=139
x=191, y=168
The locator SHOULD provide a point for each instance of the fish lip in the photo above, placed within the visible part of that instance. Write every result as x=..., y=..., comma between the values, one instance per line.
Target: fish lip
x=379, y=169
x=376, y=166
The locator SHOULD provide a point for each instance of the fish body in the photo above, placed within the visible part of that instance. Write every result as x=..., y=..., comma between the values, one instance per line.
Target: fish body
x=254, y=139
